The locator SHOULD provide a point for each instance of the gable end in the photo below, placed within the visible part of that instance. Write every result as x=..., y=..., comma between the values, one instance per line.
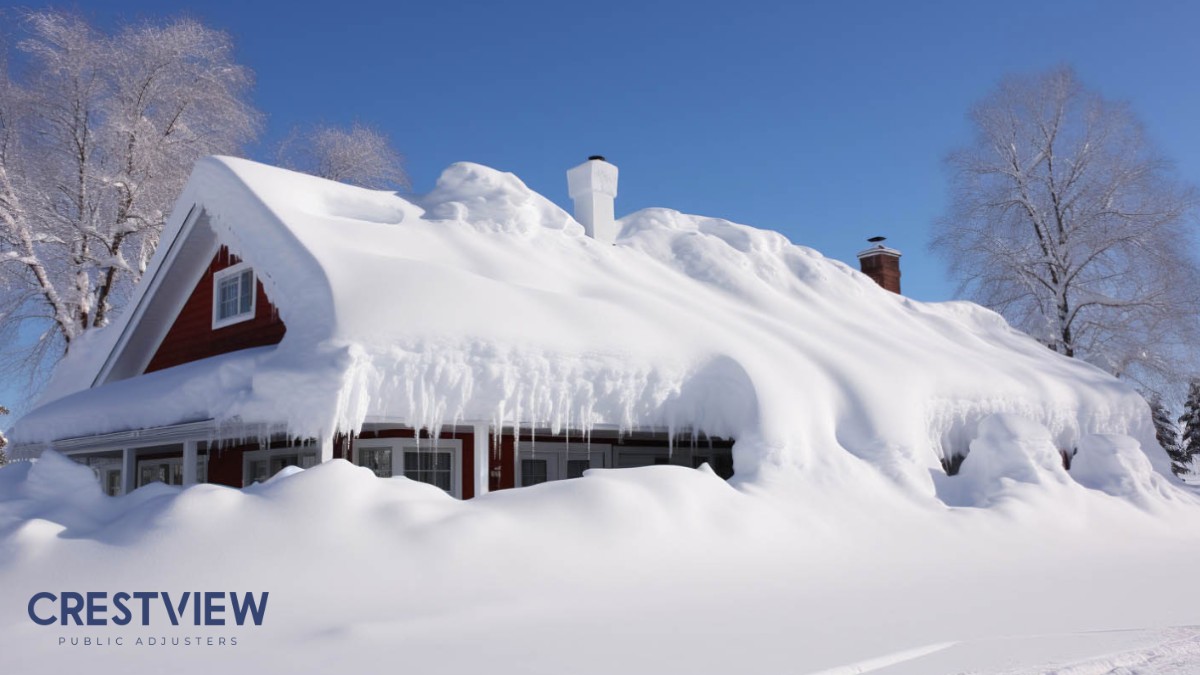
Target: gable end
x=192, y=336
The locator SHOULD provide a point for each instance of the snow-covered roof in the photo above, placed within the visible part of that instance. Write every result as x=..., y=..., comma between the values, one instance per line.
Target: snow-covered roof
x=483, y=300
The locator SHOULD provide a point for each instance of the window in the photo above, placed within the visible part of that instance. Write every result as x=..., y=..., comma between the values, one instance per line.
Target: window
x=112, y=482
x=720, y=459
x=107, y=468
x=233, y=295
x=427, y=461
x=534, y=471
x=721, y=463
x=256, y=472
x=576, y=467
x=259, y=465
x=169, y=470
x=378, y=460
x=430, y=466
x=558, y=461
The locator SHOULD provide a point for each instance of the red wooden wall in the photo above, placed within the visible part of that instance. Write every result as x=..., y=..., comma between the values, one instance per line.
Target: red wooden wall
x=192, y=337
x=225, y=463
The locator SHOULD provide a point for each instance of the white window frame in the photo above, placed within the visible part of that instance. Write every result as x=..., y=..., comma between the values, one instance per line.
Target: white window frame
x=557, y=454
x=267, y=453
x=221, y=275
x=401, y=445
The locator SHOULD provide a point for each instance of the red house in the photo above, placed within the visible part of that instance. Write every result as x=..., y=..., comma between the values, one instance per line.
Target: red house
x=477, y=338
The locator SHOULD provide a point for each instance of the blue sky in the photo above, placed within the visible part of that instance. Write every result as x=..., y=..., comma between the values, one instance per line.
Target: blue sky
x=825, y=121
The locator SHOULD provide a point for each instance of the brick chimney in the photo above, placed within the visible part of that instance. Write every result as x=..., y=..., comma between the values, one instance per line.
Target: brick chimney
x=881, y=264
x=593, y=187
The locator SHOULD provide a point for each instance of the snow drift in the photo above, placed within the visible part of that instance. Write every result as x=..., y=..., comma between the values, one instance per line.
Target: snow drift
x=658, y=569
x=484, y=301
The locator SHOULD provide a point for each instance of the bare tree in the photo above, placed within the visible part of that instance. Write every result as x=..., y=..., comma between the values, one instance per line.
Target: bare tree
x=3, y=440
x=97, y=138
x=360, y=155
x=1066, y=220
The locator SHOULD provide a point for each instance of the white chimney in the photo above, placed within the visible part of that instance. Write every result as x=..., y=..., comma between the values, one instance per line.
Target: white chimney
x=593, y=187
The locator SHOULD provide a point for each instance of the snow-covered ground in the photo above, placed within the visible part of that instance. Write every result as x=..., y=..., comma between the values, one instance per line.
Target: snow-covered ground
x=654, y=570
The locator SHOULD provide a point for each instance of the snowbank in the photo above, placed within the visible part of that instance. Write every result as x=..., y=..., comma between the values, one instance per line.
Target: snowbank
x=1116, y=465
x=1008, y=450
x=653, y=570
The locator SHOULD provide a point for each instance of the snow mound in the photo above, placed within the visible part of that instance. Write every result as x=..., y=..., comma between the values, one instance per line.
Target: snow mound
x=1009, y=450
x=1115, y=464
x=367, y=572
x=489, y=199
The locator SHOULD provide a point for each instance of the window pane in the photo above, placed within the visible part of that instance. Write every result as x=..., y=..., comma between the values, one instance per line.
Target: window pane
x=113, y=483
x=278, y=462
x=533, y=471
x=722, y=463
x=246, y=291
x=429, y=466
x=576, y=467
x=257, y=471
x=228, y=295
x=378, y=460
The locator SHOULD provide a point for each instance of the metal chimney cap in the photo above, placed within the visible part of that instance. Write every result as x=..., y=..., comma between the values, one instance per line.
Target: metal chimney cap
x=597, y=158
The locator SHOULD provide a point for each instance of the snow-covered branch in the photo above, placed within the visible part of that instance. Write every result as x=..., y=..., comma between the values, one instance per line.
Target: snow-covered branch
x=1066, y=219
x=360, y=155
x=97, y=138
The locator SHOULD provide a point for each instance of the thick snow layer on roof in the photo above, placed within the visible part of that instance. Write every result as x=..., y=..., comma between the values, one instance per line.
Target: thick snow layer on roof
x=187, y=393
x=484, y=301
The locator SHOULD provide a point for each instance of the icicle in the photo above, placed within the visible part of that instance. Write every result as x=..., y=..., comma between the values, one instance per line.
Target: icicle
x=585, y=420
x=496, y=430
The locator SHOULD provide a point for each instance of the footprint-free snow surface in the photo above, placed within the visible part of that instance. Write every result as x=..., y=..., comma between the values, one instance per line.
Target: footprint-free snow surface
x=654, y=570
x=840, y=546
